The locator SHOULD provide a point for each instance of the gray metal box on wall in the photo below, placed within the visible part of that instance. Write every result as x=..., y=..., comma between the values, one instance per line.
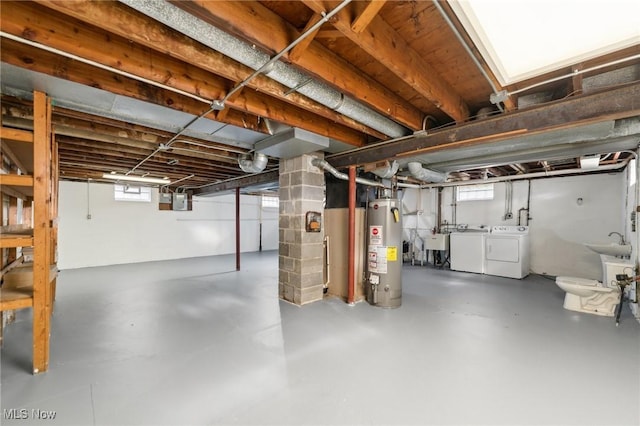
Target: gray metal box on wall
x=180, y=201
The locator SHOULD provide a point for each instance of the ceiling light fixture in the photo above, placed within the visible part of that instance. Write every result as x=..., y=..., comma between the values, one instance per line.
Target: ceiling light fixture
x=120, y=177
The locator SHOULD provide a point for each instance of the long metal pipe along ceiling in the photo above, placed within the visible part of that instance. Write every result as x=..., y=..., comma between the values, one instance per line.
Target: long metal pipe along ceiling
x=468, y=49
x=247, y=55
x=322, y=164
x=550, y=173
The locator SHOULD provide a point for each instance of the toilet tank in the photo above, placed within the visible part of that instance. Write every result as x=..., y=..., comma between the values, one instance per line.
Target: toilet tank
x=611, y=266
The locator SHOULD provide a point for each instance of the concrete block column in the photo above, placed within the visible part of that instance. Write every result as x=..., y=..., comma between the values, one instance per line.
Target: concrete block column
x=302, y=189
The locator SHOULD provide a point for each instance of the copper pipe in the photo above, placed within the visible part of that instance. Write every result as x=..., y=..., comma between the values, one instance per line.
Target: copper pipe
x=351, y=266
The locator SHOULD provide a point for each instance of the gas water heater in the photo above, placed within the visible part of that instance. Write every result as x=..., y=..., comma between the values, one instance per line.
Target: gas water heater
x=384, y=257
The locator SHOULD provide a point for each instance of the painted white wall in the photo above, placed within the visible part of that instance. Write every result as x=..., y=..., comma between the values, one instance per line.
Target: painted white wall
x=632, y=232
x=128, y=232
x=559, y=226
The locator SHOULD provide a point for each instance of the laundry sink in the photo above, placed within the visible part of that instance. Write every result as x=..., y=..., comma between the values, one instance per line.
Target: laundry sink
x=611, y=249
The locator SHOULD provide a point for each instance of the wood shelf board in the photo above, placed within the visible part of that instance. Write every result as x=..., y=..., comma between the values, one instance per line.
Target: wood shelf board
x=12, y=240
x=16, y=180
x=21, y=276
x=15, y=135
x=15, y=299
x=20, y=184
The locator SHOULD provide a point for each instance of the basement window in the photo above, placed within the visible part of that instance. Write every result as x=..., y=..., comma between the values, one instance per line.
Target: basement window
x=475, y=192
x=132, y=193
x=270, y=202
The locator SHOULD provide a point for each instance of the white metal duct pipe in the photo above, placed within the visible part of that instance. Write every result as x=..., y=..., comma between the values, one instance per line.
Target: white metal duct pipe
x=527, y=176
x=388, y=171
x=322, y=164
x=255, y=165
x=426, y=175
x=246, y=54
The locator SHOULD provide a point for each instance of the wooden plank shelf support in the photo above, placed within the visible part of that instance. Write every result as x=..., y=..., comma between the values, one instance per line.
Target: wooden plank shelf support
x=7, y=133
x=15, y=299
x=16, y=180
x=12, y=241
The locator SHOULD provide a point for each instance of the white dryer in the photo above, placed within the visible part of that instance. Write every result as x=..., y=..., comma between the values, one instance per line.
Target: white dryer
x=506, y=251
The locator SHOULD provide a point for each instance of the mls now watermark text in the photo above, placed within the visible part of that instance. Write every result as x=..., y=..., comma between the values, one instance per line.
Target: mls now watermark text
x=26, y=414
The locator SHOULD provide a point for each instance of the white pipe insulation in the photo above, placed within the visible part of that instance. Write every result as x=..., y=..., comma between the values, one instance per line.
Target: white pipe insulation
x=248, y=55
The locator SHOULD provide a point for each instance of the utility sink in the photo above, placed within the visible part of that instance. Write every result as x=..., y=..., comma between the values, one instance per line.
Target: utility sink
x=611, y=249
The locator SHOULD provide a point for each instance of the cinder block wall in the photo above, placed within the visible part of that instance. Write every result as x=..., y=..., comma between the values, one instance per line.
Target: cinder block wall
x=302, y=189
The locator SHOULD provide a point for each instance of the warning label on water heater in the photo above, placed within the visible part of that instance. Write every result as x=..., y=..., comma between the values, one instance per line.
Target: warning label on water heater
x=378, y=259
x=375, y=235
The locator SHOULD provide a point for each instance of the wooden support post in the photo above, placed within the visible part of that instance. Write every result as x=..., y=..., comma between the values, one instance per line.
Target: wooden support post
x=237, y=229
x=41, y=233
x=351, y=261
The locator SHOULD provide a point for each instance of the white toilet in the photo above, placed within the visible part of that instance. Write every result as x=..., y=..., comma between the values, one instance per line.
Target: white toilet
x=595, y=297
x=589, y=296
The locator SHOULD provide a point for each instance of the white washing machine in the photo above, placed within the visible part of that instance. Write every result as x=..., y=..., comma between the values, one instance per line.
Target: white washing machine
x=466, y=250
x=506, y=251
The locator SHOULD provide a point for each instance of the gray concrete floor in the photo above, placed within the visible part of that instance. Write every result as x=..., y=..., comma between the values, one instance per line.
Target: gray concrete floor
x=192, y=342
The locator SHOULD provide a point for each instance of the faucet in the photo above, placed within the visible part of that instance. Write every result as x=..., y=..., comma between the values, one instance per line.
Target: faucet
x=622, y=242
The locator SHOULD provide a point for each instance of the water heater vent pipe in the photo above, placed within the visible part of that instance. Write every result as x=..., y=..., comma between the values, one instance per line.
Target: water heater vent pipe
x=322, y=164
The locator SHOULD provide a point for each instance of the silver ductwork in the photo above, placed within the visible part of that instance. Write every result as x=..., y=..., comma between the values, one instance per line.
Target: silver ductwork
x=322, y=164
x=388, y=171
x=425, y=175
x=255, y=165
x=246, y=54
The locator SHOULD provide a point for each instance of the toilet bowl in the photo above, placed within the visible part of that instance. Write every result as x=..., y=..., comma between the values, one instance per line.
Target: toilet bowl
x=589, y=296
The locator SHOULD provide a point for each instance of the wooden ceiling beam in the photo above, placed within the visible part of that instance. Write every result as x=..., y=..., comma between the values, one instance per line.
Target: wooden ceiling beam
x=300, y=48
x=23, y=56
x=365, y=16
x=113, y=137
x=496, y=171
x=125, y=22
x=72, y=172
x=511, y=102
x=329, y=34
x=58, y=31
x=257, y=24
x=162, y=157
x=382, y=42
x=568, y=113
x=107, y=164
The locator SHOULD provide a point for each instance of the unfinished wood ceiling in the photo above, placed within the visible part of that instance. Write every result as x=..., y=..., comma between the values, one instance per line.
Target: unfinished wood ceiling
x=390, y=71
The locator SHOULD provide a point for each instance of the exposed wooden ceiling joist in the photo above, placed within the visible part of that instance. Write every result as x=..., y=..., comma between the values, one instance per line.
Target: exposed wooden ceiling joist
x=251, y=21
x=126, y=22
x=53, y=30
x=383, y=43
x=400, y=59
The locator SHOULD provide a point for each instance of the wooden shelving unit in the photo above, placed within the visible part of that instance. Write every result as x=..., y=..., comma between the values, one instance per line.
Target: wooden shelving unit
x=34, y=155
